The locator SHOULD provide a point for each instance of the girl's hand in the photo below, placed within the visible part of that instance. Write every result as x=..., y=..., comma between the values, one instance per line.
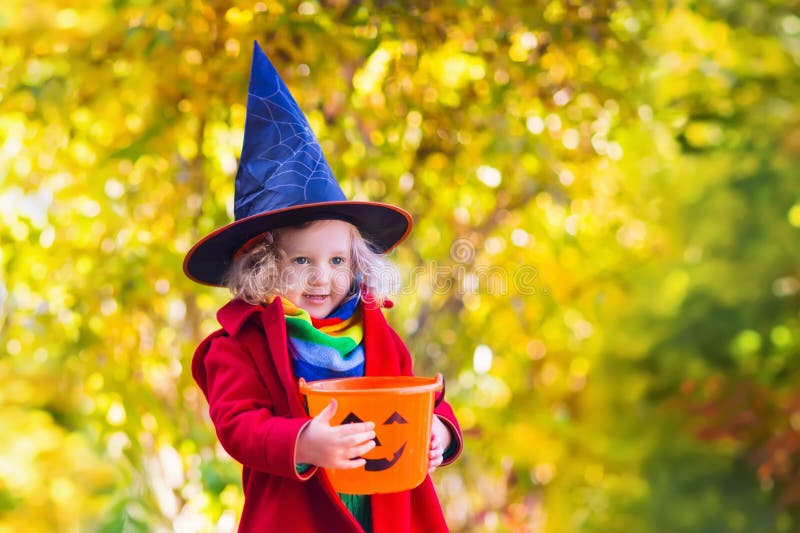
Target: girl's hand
x=328, y=446
x=440, y=440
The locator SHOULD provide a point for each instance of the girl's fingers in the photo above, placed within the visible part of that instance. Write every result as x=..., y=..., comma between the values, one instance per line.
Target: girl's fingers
x=359, y=438
x=346, y=438
x=435, y=454
x=356, y=462
x=352, y=429
x=361, y=449
x=433, y=464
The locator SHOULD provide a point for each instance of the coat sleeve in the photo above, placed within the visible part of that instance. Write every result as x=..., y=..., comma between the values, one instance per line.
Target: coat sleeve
x=442, y=409
x=242, y=412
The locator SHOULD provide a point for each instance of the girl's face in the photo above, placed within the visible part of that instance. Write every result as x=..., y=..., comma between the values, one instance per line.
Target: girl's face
x=316, y=269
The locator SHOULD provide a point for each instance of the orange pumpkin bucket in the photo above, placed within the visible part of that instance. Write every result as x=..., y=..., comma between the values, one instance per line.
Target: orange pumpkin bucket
x=401, y=408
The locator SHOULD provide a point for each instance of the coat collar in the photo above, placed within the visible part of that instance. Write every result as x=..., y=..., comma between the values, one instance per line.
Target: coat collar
x=233, y=315
x=380, y=343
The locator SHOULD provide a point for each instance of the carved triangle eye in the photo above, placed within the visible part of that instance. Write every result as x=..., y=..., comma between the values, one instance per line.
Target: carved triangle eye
x=352, y=418
x=395, y=419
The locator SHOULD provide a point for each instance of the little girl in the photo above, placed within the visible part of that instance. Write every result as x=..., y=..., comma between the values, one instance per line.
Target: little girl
x=308, y=275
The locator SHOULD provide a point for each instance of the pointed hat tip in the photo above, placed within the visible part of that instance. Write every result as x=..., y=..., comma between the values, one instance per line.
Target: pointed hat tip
x=264, y=78
x=259, y=56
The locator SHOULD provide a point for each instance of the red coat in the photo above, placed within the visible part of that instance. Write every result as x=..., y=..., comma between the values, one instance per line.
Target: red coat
x=245, y=373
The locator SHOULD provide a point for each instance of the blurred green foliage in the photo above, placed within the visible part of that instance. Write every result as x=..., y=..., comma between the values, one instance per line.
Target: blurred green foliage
x=604, y=265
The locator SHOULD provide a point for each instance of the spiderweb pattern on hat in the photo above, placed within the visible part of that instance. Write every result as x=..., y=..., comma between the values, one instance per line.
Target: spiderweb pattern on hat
x=285, y=150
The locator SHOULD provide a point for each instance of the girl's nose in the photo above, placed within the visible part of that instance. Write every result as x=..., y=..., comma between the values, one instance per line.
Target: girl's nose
x=319, y=275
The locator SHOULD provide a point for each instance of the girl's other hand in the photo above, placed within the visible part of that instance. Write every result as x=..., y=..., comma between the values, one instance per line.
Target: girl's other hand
x=328, y=446
x=440, y=440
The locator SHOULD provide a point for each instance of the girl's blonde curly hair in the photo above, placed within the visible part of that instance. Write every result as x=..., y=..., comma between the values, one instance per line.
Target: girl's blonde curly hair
x=256, y=271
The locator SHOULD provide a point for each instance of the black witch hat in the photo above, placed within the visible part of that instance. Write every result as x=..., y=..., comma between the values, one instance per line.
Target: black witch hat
x=283, y=180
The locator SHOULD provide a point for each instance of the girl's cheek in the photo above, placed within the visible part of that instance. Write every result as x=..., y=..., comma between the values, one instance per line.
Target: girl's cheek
x=288, y=277
x=344, y=278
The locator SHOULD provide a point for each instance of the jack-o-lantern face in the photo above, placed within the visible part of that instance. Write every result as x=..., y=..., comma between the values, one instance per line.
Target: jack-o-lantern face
x=376, y=465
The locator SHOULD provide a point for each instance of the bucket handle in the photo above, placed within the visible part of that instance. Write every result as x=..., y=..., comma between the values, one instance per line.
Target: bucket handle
x=439, y=395
x=301, y=389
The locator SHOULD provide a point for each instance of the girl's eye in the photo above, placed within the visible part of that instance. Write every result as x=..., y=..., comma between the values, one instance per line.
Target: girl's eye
x=337, y=261
x=300, y=260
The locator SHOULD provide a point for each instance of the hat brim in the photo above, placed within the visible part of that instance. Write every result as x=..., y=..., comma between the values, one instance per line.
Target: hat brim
x=382, y=225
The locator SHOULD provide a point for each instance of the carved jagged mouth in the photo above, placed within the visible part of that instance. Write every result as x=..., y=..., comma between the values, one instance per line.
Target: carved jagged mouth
x=376, y=465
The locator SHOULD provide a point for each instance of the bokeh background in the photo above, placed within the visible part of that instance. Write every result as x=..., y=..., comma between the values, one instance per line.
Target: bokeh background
x=605, y=263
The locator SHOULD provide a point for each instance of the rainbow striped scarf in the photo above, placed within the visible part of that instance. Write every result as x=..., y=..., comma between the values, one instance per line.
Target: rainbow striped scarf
x=329, y=347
